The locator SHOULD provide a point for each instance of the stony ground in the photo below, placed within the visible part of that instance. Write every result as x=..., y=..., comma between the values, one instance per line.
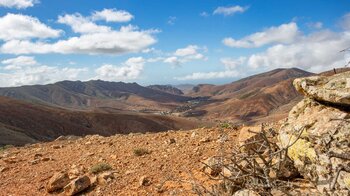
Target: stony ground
x=173, y=162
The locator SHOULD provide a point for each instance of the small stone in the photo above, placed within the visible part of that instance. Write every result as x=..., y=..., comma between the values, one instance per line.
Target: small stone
x=3, y=169
x=57, y=181
x=204, y=140
x=246, y=192
x=211, y=166
x=88, y=143
x=10, y=160
x=193, y=135
x=144, y=181
x=46, y=159
x=78, y=185
x=57, y=146
x=90, y=154
x=171, y=141
x=105, y=177
x=129, y=172
x=34, y=162
x=113, y=156
x=38, y=155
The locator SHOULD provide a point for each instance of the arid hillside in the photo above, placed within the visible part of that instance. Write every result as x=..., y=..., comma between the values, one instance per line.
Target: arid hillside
x=166, y=88
x=95, y=94
x=23, y=122
x=268, y=96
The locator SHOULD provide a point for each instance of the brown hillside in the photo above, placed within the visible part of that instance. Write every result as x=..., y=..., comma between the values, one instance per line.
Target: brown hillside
x=23, y=122
x=251, y=98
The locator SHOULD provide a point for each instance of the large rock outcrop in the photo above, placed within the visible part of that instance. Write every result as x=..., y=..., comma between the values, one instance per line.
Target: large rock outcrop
x=318, y=128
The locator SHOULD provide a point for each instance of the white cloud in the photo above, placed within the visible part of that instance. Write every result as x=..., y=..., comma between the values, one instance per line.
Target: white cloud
x=112, y=15
x=230, y=10
x=25, y=70
x=189, y=50
x=315, y=52
x=231, y=64
x=19, y=4
x=209, y=75
x=127, y=39
x=171, y=20
x=229, y=72
x=345, y=21
x=315, y=25
x=18, y=62
x=204, y=14
x=172, y=60
x=285, y=33
x=183, y=55
x=17, y=26
x=131, y=69
x=82, y=24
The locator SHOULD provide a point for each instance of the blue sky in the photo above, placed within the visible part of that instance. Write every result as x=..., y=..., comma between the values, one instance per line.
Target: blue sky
x=167, y=42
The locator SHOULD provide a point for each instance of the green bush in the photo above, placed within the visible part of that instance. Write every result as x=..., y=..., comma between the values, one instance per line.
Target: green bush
x=100, y=167
x=140, y=151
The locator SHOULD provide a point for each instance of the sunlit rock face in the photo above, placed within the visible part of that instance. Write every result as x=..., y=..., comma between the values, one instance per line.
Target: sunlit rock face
x=321, y=121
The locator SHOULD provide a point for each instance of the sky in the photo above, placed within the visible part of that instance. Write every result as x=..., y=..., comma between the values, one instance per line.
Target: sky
x=168, y=42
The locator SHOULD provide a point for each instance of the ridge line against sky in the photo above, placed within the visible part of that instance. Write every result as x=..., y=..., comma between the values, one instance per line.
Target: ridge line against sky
x=162, y=42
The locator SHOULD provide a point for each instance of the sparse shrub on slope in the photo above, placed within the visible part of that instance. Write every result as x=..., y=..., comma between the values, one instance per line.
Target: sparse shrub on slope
x=100, y=167
x=141, y=151
x=256, y=165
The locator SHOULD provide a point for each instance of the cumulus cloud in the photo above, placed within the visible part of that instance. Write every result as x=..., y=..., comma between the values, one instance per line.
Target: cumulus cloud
x=112, y=15
x=345, y=21
x=315, y=52
x=131, y=69
x=19, y=4
x=231, y=63
x=183, y=55
x=230, y=10
x=315, y=25
x=285, y=33
x=18, y=62
x=127, y=39
x=209, y=75
x=27, y=35
x=18, y=26
x=25, y=70
x=230, y=71
x=82, y=24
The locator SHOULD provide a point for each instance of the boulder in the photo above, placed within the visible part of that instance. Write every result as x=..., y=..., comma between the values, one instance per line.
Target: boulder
x=333, y=89
x=318, y=133
x=58, y=181
x=78, y=185
x=248, y=136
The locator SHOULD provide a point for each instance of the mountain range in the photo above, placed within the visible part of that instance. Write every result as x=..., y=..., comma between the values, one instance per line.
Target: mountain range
x=43, y=112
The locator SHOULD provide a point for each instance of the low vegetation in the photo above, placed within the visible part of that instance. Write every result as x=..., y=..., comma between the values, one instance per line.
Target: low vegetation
x=258, y=165
x=141, y=151
x=100, y=167
x=6, y=147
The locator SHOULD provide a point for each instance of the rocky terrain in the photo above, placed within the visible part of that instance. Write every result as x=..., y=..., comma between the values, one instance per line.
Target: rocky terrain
x=306, y=154
x=321, y=124
x=141, y=164
x=166, y=88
